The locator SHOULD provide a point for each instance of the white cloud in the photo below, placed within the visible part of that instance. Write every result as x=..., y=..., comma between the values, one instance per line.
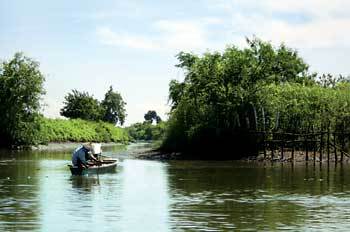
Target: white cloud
x=322, y=24
x=305, y=25
x=320, y=8
x=313, y=34
x=182, y=35
x=313, y=7
x=109, y=37
x=168, y=35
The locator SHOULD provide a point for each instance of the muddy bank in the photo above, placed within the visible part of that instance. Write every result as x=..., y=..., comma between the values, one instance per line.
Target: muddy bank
x=301, y=156
x=154, y=154
x=67, y=146
x=298, y=156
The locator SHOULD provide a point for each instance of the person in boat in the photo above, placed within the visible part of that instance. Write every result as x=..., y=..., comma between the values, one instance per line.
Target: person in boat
x=82, y=155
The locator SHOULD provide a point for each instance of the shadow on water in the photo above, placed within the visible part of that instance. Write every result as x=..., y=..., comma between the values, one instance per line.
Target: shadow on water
x=257, y=196
x=85, y=183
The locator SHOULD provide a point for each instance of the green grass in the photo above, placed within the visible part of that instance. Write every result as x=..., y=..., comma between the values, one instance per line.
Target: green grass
x=78, y=130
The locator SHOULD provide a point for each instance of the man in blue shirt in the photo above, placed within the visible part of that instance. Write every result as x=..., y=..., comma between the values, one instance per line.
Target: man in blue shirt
x=81, y=155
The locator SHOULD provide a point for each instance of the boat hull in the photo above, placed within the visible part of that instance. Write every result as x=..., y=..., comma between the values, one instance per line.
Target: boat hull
x=104, y=168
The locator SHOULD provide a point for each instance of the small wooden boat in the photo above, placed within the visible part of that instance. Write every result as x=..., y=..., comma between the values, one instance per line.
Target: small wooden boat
x=105, y=166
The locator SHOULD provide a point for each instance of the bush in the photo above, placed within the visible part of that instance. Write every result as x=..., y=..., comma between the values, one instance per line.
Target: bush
x=78, y=130
x=147, y=131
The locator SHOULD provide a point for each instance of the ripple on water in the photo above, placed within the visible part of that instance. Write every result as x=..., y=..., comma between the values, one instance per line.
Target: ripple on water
x=197, y=197
x=191, y=210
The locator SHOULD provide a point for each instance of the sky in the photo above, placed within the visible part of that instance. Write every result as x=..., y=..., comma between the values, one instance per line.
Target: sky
x=90, y=45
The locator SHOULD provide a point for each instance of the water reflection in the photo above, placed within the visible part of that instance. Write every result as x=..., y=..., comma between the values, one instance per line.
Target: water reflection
x=37, y=193
x=223, y=196
x=144, y=196
x=19, y=203
x=85, y=183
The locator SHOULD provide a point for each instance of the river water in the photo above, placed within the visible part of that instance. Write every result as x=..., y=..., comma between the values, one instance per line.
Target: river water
x=37, y=193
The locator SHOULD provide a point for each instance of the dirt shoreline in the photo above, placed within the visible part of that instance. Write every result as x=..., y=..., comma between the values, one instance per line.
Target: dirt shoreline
x=65, y=146
x=299, y=156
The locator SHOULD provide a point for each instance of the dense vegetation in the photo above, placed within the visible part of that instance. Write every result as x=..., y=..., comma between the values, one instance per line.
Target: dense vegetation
x=226, y=95
x=222, y=99
x=296, y=108
x=147, y=130
x=84, y=106
x=81, y=105
x=22, y=125
x=113, y=107
x=21, y=87
x=78, y=130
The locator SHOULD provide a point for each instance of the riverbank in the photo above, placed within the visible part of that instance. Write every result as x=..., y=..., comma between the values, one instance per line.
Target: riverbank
x=298, y=156
x=66, y=146
x=154, y=154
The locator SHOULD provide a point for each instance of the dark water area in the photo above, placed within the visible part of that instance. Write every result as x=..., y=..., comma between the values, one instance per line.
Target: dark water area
x=37, y=193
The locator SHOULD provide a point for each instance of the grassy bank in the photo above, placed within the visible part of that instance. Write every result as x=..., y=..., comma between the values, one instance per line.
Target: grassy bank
x=77, y=130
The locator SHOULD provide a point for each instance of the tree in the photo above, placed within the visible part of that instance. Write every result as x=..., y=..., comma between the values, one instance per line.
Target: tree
x=81, y=105
x=221, y=92
x=146, y=131
x=330, y=81
x=152, y=115
x=176, y=90
x=158, y=119
x=21, y=87
x=113, y=107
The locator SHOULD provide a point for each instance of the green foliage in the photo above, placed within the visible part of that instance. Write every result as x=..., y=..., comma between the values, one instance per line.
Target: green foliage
x=21, y=86
x=297, y=108
x=84, y=106
x=81, y=105
x=330, y=81
x=147, y=131
x=114, y=107
x=78, y=130
x=176, y=91
x=256, y=88
x=152, y=115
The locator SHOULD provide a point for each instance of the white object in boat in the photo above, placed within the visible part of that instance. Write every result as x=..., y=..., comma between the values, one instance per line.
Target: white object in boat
x=96, y=148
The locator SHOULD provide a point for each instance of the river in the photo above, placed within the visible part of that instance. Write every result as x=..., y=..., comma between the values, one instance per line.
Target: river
x=37, y=193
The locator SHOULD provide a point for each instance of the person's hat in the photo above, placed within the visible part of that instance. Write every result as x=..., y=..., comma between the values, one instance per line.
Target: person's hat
x=87, y=146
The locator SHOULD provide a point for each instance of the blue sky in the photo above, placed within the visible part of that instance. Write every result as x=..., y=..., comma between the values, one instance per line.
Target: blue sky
x=131, y=45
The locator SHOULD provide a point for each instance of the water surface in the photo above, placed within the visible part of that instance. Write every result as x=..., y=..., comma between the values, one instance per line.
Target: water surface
x=38, y=193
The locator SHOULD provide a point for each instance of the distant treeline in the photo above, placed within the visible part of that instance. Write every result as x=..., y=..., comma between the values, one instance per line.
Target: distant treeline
x=84, y=106
x=224, y=96
x=22, y=124
x=146, y=130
